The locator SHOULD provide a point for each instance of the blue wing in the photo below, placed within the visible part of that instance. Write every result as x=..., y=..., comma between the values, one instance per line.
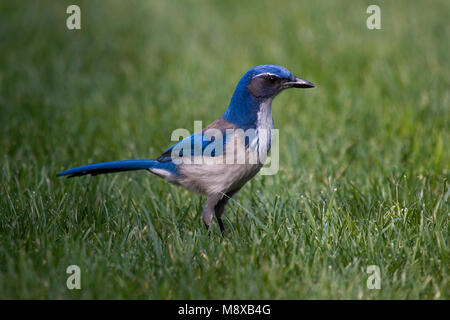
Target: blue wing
x=206, y=142
x=196, y=144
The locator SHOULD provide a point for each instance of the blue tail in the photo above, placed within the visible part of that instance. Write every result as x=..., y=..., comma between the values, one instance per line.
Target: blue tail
x=113, y=166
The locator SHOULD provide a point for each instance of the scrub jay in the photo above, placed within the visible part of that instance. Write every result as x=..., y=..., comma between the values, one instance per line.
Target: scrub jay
x=250, y=108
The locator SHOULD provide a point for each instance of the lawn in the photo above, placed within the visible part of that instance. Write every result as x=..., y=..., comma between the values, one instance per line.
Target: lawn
x=364, y=157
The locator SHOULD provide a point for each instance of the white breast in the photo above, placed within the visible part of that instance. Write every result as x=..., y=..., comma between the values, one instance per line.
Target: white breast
x=264, y=127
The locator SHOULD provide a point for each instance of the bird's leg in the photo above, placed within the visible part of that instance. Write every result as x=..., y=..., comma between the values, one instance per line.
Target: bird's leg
x=221, y=226
x=220, y=208
x=208, y=210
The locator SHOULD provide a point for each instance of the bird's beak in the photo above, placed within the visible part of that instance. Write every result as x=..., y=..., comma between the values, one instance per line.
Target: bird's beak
x=298, y=83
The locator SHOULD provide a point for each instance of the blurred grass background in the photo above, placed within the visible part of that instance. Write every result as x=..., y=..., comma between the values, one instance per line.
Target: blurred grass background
x=364, y=154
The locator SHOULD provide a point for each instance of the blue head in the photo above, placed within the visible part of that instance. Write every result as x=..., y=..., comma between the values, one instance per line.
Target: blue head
x=258, y=85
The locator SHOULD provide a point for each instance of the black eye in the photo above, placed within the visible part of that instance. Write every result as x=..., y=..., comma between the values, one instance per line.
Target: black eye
x=271, y=78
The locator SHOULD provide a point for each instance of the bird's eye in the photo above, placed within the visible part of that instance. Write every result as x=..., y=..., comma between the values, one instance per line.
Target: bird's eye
x=271, y=78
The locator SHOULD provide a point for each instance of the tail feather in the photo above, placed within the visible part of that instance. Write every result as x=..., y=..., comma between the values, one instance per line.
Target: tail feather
x=109, y=167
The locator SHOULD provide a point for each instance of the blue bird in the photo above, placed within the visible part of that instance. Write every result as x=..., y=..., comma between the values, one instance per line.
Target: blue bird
x=214, y=175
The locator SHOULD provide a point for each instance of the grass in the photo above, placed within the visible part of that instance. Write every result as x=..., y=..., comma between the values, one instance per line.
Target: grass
x=364, y=157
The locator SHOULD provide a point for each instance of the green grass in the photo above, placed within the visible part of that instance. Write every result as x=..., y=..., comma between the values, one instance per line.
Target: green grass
x=366, y=152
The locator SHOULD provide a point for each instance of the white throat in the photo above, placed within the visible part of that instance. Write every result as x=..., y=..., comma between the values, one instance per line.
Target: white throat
x=265, y=120
x=264, y=127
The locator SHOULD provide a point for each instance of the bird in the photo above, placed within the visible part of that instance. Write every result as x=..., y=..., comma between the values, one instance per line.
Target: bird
x=206, y=161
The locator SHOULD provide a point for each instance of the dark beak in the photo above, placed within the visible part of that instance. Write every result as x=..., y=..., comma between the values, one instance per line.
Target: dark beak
x=298, y=83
